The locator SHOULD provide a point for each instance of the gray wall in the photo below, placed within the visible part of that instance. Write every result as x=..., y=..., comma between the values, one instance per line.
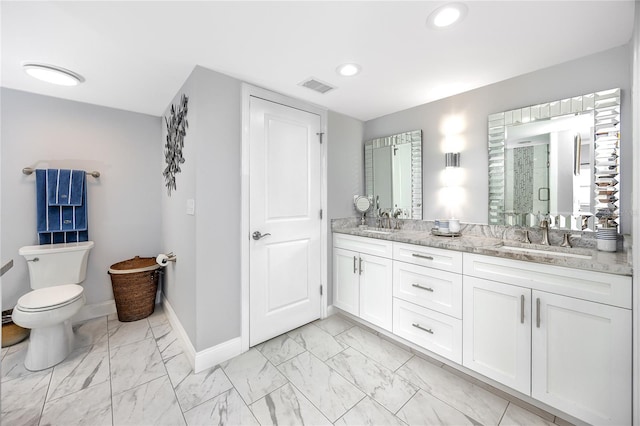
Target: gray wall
x=605, y=70
x=345, y=174
x=40, y=132
x=203, y=286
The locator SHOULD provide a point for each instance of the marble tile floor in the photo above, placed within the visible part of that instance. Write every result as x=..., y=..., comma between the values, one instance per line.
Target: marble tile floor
x=328, y=372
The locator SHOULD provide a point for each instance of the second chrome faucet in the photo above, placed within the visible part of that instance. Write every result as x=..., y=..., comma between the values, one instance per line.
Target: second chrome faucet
x=544, y=226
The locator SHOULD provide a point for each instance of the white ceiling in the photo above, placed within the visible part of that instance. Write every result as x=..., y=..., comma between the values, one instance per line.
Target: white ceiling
x=136, y=55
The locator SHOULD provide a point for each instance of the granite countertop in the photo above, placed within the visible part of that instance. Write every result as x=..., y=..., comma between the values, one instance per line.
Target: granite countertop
x=590, y=258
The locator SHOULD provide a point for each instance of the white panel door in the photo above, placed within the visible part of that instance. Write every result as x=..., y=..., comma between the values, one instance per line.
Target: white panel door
x=581, y=359
x=376, y=290
x=497, y=331
x=285, y=203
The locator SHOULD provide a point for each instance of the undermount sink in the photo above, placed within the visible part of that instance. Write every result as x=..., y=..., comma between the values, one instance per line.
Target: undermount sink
x=375, y=231
x=552, y=251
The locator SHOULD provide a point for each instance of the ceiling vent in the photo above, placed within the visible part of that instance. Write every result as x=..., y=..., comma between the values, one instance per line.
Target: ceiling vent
x=317, y=85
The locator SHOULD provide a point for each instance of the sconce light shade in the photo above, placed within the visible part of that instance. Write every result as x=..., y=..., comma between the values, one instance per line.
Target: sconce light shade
x=452, y=159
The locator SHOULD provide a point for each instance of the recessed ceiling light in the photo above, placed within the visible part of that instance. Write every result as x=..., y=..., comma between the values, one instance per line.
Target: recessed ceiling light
x=447, y=15
x=52, y=74
x=348, y=70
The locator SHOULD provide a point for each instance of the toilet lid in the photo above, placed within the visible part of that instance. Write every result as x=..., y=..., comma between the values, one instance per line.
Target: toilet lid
x=50, y=297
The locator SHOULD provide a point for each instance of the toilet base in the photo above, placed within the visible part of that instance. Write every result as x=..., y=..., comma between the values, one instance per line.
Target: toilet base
x=49, y=346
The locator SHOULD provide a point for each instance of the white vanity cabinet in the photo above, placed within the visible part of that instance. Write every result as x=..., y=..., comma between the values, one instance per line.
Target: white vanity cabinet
x=362, y=278
x=497, y=332
x=427, y=303
x=560, y=335
x=526, y=327
x=581, y=358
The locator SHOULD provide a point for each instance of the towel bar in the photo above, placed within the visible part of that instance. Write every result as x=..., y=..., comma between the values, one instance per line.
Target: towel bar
x=29, y=170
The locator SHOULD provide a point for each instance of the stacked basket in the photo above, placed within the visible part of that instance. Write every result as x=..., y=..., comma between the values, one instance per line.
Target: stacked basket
x=607, y=239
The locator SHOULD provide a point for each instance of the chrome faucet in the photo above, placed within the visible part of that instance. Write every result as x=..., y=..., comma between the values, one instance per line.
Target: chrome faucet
x=544, y=225
x=385, y=220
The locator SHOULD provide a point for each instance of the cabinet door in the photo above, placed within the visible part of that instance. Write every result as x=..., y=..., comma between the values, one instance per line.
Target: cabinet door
x=376, y=290
x=346, y=294
x=497, y=331
x=581, y=358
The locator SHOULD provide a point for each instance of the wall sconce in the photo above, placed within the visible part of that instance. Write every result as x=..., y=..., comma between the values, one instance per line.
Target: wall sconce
x=452, y=159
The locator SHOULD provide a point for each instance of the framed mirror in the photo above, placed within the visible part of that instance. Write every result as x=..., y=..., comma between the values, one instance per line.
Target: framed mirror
x=558, y=160
x=393, y=174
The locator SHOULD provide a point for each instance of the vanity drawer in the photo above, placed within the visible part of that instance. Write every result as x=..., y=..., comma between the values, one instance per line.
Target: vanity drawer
x=594, y=286
x=432, y=330
x=447, y=260
x=428, y=287
x=371, y=246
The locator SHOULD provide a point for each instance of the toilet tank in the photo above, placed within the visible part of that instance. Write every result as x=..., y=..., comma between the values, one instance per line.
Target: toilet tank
x=56, y=264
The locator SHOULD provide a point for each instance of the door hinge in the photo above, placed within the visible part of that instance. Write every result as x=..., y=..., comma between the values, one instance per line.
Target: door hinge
x=320, y=134
x=320, y=289
x=320, y=213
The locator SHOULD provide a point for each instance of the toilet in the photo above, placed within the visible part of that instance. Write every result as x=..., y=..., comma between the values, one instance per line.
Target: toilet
x=55, y=270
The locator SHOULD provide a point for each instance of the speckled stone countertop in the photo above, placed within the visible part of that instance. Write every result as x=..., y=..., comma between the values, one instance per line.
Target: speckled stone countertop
x=491, y=239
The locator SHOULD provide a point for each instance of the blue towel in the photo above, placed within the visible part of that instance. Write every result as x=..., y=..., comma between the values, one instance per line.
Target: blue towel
x=65, y=187
x=61, y=223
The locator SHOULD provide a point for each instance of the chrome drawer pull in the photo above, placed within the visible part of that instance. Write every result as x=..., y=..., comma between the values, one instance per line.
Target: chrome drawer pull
x=422, y=288
x=355, y=264
x=428, y=330
x=422, y=256
x=537, y=312
x=360, y=266
x=522, y=309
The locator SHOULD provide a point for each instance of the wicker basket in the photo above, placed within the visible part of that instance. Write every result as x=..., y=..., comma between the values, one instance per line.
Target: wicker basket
x=135, y=283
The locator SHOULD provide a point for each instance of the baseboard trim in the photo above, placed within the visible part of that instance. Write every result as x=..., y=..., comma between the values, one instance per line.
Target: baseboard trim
x=331, y=310
x=188, y=348
x=206, y=358
x=216, y=354
x=95, y=310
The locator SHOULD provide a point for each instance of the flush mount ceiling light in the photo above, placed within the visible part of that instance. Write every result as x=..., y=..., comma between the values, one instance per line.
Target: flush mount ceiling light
x=348, y=70
x=447, y=15
x=52, y=74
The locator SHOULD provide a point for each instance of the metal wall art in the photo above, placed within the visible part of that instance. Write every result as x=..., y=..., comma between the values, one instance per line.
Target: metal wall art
x=176, y=131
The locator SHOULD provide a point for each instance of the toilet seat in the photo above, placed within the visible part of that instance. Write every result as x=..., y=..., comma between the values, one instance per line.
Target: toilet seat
x=45, y=299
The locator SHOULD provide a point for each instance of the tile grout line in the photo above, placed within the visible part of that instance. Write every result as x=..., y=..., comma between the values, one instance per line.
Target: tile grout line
x=113, y=417
x=45, y=397
x=504, y=413
x=164, y=364
x=309, y=400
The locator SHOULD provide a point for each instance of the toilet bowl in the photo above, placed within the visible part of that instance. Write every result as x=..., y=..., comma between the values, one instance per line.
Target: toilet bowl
x=47, y=312
x=54, y=271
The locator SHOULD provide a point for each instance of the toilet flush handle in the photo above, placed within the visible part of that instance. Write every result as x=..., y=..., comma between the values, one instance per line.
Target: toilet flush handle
x=35, y=259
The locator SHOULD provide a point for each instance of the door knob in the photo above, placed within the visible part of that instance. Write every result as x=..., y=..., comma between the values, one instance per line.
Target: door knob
x=258, y=235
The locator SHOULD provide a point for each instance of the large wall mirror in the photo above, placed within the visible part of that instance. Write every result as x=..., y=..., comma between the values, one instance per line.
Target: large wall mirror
x=393, y=174
x=558, y=160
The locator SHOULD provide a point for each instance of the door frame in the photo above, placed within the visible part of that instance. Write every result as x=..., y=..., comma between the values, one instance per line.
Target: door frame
x=248, y=91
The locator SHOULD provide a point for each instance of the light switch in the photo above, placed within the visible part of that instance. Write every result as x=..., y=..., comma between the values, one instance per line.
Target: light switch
x=191, y=206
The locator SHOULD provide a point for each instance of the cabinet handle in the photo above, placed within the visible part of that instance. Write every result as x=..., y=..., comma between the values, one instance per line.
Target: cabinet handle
x=538, y=312
x=360, y=266
x=355, y=265
x=522, y=309
x=422, y=256
x=422, y=288
x=428, y=330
